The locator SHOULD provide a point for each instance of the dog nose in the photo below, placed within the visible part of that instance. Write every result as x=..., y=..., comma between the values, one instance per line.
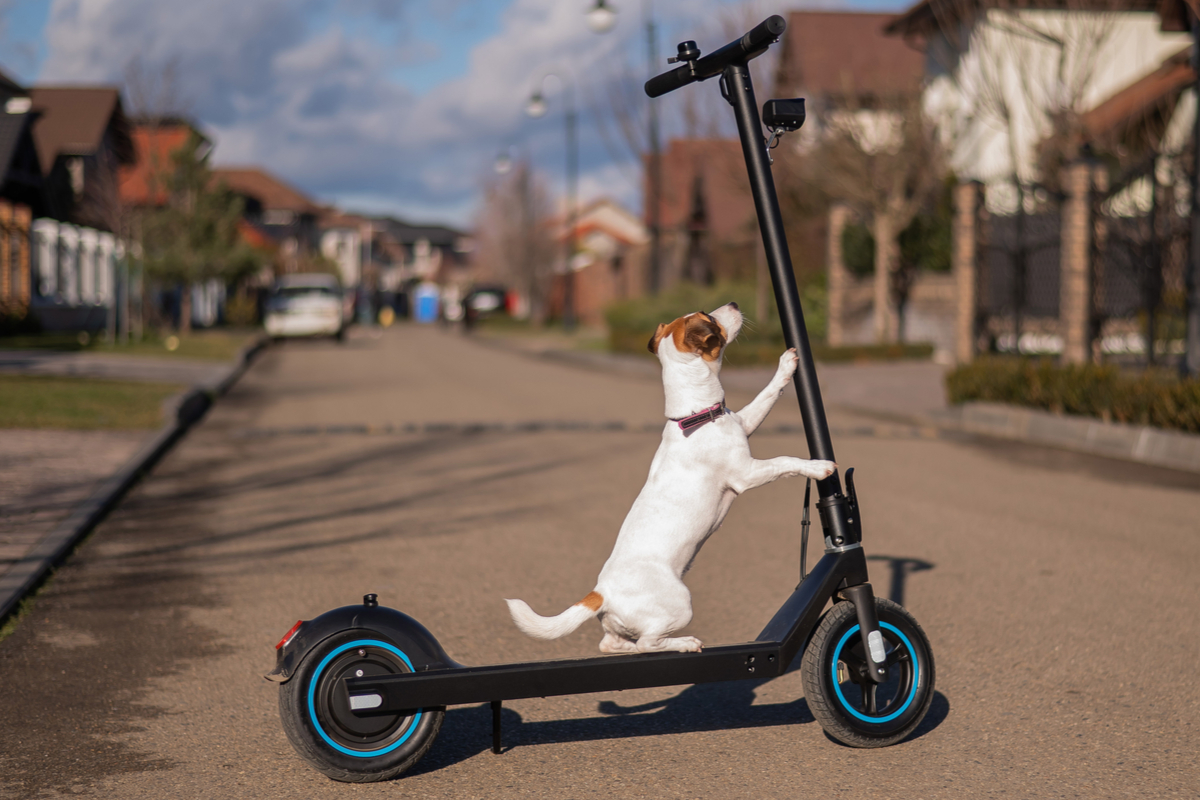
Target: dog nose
x=732, y=305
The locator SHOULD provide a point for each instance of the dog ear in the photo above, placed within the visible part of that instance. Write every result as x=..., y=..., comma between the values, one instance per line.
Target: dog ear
x=705, y=338
x=652, y=345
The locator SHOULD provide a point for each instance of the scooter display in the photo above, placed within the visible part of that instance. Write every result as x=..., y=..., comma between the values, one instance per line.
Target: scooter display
x=363, y=688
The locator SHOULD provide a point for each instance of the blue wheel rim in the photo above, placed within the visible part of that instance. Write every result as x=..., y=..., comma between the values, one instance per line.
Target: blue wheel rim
x=837, y=688
x=312, y=691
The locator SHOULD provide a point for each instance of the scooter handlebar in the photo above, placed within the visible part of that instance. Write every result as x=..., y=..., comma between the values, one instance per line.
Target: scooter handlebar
x=752, y=44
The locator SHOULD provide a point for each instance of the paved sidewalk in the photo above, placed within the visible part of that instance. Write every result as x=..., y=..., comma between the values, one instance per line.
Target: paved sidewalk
x=191, y=372
x=46, y=473
x=55, y=483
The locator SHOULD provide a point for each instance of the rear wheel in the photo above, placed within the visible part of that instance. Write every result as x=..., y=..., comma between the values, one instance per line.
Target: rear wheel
x=841, y=695
x=318, y=721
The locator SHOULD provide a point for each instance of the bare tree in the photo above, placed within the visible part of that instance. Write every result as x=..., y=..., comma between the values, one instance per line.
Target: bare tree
x=515, y=235
x=887, y=164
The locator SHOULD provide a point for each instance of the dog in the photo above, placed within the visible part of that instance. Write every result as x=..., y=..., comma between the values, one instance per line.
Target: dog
x=703, y=463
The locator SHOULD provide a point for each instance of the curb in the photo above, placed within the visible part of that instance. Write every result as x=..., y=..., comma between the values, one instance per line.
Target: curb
x=54, y=548
x=1137, y=443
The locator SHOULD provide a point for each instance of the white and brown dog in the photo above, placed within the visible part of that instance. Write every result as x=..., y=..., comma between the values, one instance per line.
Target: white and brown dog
x=703, y=463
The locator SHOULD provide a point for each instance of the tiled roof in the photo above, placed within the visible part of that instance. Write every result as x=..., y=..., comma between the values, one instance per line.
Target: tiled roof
x=836, y=54
x=74, y=120
x=272, y=192
x=926, y=16
x=154, y=145
x=1143, y=106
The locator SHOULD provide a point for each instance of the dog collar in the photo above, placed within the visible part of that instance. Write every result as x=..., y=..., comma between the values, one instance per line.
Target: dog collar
x=700, y=418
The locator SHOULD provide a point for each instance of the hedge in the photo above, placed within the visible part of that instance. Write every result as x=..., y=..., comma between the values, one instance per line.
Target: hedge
x=1154, y=397
x=631, y=323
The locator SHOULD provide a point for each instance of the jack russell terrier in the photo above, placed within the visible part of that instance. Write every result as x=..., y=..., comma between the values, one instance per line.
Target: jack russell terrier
x=703, y=463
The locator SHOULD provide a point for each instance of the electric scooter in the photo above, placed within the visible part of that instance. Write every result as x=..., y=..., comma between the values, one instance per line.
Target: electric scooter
x=363, y=689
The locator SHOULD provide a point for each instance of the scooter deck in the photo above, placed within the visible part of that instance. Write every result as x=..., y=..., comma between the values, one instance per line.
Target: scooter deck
x=767, y=657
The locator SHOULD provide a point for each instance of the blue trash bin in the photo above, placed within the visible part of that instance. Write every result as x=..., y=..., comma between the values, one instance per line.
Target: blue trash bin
x=426, y=302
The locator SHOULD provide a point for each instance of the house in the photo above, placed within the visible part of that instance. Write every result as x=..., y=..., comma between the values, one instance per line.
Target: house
x=83, y=139
x=404, y=253
x=611, y=248
x=1065, y=125
x=344, y=240
x=1001, y=78
x=21, y=197
x=21, y=181
x=284, y=214
x=144, y=181
x=706, y=213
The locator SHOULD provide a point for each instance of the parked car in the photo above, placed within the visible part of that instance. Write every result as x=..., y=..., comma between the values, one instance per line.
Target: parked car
x=306, y=305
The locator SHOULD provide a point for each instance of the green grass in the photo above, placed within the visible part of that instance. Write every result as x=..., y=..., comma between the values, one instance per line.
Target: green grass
x=81, y=403
x=222, y=344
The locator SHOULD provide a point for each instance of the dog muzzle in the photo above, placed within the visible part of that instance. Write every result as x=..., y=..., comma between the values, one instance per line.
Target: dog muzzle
x=701, y=418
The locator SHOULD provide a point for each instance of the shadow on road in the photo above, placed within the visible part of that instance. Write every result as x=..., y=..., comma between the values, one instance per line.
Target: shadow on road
x=703, y=707
x=698, y=708
x=901, y=568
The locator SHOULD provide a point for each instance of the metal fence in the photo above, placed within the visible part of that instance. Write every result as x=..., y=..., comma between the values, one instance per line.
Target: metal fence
x=1138, y=258
x=1018, y=292
x=1139, y=263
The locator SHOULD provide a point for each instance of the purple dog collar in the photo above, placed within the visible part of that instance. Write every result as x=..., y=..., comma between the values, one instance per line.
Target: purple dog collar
x=690, y=424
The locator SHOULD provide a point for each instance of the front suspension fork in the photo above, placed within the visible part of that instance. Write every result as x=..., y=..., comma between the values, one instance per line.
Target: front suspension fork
x=863, y=597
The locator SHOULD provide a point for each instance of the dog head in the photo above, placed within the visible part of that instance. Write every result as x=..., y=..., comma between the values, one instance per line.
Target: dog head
x=697, y=336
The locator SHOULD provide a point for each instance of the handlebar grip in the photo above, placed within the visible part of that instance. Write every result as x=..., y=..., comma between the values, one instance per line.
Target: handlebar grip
x=764, y=33
x=669, y=81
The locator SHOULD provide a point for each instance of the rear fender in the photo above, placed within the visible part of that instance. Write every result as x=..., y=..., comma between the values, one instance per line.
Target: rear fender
x=409, y=635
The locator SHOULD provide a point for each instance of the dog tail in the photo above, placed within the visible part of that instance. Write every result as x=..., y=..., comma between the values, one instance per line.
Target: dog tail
x=539, y=627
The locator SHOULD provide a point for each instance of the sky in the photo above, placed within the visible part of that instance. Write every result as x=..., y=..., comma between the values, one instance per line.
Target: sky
x=394, y=107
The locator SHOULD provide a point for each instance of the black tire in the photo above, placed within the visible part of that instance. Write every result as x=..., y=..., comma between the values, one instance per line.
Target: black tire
x=849, y=705
x=323, y=730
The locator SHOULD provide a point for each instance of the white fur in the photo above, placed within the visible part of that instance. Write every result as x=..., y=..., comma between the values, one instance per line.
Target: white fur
x=693, y=481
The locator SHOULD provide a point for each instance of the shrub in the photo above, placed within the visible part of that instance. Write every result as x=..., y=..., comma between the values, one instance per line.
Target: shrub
x=17, y=320
x=1154, y=397
x=631, y=323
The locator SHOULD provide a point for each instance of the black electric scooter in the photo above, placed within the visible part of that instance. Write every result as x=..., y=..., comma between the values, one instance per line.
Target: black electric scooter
x=364, y=688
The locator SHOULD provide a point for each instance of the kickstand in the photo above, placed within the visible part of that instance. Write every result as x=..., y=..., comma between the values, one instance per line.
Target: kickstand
x=804, y=525
x=496, y=704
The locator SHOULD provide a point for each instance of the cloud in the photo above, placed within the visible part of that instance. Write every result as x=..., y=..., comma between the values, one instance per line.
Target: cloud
x=308, y=88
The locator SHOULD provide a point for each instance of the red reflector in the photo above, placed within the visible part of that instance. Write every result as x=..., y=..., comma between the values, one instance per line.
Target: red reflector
x=287, y=637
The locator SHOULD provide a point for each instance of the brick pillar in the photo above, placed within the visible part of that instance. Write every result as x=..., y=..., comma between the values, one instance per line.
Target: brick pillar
x=1075, y=290
x=962, y=254
x=839, y=278
x=24, y=220
x=1099, y=247
x=6, y=233
x=886, y=257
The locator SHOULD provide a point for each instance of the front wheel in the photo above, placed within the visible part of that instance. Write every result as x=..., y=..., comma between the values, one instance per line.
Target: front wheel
x=318, y=721
x=841, y=695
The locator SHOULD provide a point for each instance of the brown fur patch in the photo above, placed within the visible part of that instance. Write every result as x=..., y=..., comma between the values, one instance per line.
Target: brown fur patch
x=704, y=335
x=593, y=601
x=696, y=333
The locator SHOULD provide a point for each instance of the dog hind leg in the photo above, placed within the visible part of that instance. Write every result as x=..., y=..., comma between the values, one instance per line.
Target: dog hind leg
x=613, y=643
x=661, y=643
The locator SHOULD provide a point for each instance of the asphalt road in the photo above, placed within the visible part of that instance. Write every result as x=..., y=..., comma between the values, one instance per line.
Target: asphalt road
x=1059, y=592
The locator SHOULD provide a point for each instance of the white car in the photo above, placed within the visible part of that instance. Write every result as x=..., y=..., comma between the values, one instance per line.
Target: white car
x=305, y=305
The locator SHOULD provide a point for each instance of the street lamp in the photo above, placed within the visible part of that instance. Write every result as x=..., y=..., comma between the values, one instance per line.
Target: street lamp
x=601, y=18
x=536, y=107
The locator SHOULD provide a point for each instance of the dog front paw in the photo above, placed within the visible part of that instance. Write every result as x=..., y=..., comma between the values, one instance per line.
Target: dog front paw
x=787, y=365
x=819, y=470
